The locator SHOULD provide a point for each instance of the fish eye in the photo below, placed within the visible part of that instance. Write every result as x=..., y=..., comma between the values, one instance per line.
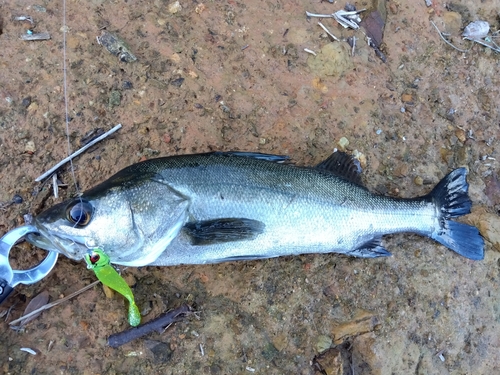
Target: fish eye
x=80, y=213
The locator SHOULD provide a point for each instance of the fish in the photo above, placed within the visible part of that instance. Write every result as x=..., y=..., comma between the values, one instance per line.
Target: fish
x=227, y=206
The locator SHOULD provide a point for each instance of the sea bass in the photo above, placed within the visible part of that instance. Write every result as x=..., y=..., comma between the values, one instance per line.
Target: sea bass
x=226, y=206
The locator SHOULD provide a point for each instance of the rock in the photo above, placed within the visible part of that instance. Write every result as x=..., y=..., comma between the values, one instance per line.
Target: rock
x=343, y=143
x=108, y=291
x=161, y=351
x=29, y=148
x=174, y=7
x=406, y=98
x=460, y=134
x=362, y=322
x=452, y=22
x=329, y=363
x=488, y=224
x=418, y=181
x=26, y=102
x=115, y=98
x=401, y=170
x=332, y=60
x=323, y=343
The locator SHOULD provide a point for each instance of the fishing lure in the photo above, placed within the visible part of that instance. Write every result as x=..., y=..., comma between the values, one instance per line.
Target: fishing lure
x=98, y=261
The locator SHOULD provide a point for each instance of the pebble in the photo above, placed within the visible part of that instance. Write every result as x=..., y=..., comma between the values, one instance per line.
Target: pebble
x=362, y=322
x=418, y=181
x=323, y=343
x=26, y=102
x=406, y=98
x=17, y=199
x=452, y=22
x=33, y=106
x=115, y=98
x=174, y=7
x=331, y=363
x=343, y=143
x=393, y=7
x=460, y=134
x=30, y=147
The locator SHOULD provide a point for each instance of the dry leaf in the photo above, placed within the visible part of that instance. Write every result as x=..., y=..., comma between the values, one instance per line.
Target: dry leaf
x=37, y=302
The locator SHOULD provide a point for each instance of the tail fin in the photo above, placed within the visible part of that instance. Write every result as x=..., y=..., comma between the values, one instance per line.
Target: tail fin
x=452, y=200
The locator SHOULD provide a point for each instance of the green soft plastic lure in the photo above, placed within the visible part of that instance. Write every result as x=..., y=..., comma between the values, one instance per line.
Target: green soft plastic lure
x=98, y=261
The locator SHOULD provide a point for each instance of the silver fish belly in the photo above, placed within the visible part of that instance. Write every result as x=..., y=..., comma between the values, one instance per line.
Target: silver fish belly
x=217, y=207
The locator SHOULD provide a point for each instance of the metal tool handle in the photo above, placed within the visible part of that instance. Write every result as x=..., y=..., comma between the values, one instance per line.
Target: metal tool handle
x=9, y=278
x=5, y=290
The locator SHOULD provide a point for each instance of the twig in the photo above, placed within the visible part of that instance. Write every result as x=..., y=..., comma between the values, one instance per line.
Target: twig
x=119, y=339
x=484, y=44
x=309, y=51
x=38, y=36
x=442, y=37
x=55, y=303
x=328, y=31
x=75, y=154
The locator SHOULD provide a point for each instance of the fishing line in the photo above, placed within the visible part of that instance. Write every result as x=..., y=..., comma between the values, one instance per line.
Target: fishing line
x=65, y=91
x=66, y=110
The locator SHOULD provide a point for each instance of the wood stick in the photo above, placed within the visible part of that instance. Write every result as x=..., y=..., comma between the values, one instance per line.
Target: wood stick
x=55, y=303
x=76, y=153
x=121, y=338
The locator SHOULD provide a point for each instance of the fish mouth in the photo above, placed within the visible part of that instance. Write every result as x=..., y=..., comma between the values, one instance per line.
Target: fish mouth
x=73, y=248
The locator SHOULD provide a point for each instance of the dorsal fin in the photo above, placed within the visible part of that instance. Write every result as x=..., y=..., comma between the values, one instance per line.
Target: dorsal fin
x=254, y=155
x=342, y=165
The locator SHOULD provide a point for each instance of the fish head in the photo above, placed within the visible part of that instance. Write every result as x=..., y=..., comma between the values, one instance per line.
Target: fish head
x=131, y=219
x=75, y=226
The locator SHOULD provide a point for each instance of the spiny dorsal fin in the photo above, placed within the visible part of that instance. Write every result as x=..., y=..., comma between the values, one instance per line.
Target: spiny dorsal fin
x=254, y=155
x=342, y=165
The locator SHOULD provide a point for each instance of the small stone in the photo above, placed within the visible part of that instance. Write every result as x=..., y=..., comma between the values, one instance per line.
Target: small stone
x=401, y=170
x=200, y=8
x=26, y=102
x=331, y=362
x=361, y=158
x=33, y=106
x=108, y=291
x=488, y=225
x=452, y=22
x=174, y=7
x=406, y=98
x=362, y=322
x=323, y=343
x=115, y=98
x=460, y=134
x=343, y=143
x=262, y=141
x=127, y=85
x=17, y=199
x=29, y=148
x=418, y=181
x=177, y=82
x=393, y=7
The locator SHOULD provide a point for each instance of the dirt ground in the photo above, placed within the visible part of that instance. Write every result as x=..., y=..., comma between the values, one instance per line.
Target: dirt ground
x=233, y=75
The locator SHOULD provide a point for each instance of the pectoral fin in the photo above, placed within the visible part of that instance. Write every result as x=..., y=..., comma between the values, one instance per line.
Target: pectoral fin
x=210, y=232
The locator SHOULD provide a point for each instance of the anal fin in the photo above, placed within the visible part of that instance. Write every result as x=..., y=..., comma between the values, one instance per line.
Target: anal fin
x=370, y=249
x=210, y=232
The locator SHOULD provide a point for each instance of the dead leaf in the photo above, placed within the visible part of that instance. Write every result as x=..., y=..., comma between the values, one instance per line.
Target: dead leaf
x=40, y=300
